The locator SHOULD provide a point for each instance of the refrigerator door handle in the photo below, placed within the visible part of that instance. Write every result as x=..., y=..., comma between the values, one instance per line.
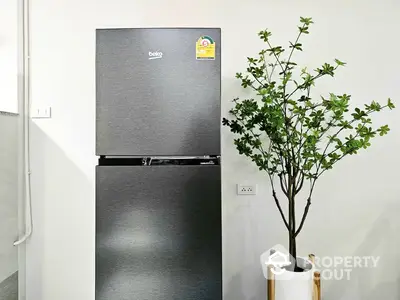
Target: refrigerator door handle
x=181, y=157
x=209, y=159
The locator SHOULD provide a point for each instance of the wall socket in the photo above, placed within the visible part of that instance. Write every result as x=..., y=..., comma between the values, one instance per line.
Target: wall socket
x=246, y=189
x=41, y=112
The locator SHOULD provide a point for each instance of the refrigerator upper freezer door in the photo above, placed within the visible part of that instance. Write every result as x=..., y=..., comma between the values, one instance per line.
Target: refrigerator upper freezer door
x=153, y=96
x=158, y=233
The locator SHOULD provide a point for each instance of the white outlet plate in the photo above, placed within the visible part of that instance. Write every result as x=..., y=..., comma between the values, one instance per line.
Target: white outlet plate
x=41, y=112
x=246, y=189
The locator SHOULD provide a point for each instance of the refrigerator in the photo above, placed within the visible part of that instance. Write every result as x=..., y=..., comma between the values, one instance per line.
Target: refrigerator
x=158, y=178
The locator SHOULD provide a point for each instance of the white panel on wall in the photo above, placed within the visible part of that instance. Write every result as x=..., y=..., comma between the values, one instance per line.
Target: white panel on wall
x=8, y=55
x=8, y=206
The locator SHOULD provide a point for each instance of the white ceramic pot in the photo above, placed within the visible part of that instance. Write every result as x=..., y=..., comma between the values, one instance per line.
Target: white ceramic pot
x=292, y=285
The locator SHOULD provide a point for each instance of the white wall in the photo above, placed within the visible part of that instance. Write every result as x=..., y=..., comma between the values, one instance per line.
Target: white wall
x=355, y=208
x=8, y=195
x=8, y=55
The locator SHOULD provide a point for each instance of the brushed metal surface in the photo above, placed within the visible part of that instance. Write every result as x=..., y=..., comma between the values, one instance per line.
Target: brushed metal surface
x=166, y=106
x=158, y=233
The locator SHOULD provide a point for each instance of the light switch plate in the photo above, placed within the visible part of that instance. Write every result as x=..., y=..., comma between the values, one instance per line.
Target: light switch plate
x=41, y=112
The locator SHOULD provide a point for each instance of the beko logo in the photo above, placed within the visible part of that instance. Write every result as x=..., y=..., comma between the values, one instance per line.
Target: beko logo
x=155, y=55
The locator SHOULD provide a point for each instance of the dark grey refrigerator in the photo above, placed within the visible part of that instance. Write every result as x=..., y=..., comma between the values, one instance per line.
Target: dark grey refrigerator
x=158, y=181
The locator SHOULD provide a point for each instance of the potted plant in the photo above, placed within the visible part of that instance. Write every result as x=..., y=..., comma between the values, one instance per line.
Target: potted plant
x=293, y=135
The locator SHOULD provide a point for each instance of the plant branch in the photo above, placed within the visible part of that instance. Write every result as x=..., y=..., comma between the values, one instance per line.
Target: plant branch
x=288, y=64
x=297, y=39
x=256, y=90
x=278, y=205
x=269, y=75
x=301, y=86
x=303, y=219
x=276, y=56
x=256, y=78
x=266, y=68
x=333, y=151
x=337, y=133
x=284, y=72
x=306, y=208
x=272, y=71
x=324, y=155
x=298, y=154
x=280, y=208
x=299, y=186
x=283, y=187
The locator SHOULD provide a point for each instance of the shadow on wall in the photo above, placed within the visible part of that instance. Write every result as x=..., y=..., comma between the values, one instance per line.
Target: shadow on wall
x=380, y=242
x=60, y=253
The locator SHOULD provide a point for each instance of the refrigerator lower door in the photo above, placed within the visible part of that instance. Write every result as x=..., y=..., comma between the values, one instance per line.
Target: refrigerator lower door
x=158, y=233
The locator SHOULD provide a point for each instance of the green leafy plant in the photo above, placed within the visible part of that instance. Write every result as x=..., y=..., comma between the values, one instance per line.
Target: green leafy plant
x=291, y=135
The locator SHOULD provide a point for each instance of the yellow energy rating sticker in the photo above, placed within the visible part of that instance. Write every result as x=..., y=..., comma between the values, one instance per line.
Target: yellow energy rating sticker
x=205, y=48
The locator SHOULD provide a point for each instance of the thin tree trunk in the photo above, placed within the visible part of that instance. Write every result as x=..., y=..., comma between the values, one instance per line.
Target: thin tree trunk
x=293, y=250
x=292, y=231
x=292, y=223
